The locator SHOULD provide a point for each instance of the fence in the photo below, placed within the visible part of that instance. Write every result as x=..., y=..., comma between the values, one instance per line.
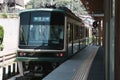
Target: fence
x=8, y=65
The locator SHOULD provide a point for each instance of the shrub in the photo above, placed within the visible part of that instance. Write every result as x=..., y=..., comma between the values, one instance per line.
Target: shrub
x=1, y=37
x=1, y=47
x=4, y=15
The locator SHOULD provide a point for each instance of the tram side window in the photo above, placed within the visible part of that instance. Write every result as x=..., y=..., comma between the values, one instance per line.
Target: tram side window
x=76, y=32
x=87, y=30
x=82, y=32
x=69, y=29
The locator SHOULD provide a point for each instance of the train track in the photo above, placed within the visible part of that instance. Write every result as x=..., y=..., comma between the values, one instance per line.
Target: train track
x=32, y=75
x=29, y=76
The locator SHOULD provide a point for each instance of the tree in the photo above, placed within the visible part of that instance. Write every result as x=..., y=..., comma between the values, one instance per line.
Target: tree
x=74, y=5
x=39, y=3
x=63, y=3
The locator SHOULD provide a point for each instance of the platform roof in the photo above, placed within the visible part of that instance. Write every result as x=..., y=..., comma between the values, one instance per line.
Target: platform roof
x=94, y=8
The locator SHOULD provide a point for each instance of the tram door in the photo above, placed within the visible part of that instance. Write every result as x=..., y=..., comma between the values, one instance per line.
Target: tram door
x=70, y=38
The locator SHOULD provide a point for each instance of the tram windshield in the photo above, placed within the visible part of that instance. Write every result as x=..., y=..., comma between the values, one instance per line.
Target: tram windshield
x=41, y=30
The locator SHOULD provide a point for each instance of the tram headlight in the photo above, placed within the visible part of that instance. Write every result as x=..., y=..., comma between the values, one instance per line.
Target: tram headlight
x=57, y=54
x=60, y=54
x=20, y=54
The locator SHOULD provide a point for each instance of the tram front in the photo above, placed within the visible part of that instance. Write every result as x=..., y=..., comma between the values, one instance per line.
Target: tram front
x=41, y=34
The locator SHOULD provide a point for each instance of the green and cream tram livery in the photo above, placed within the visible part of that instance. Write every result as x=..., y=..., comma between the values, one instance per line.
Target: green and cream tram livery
x=49, y=35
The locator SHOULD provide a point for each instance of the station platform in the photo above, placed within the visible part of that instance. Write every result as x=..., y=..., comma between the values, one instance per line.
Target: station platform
x=97, y=68
x=77, y=67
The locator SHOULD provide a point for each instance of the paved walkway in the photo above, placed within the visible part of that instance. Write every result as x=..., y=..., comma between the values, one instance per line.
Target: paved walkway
x=97, y=68
x=76, y=68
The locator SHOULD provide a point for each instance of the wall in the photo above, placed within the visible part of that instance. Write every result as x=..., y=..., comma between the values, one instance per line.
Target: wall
x=10, y=33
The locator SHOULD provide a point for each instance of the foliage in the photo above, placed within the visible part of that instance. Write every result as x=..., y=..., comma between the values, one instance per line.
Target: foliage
x=62, y=3
x=1, y=47
x=4, y=15
x=1, y=34
x=39, y=3
x=1, y=37
x=74, y=5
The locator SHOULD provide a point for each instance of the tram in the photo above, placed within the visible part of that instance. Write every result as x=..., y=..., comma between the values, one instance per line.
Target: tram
x=49, y=35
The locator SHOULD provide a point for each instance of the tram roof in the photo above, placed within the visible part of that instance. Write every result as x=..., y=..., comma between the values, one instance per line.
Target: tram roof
x=65, y=10
x=42, y=9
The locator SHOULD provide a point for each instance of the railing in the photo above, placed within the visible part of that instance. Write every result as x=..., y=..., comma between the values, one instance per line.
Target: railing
x=8, y=65
x=7, y=59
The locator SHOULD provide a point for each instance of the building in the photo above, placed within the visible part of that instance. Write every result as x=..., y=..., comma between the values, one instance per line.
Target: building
x=11, y=5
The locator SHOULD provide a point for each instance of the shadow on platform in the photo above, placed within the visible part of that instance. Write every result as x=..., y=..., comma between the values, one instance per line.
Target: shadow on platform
x=97, y=67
